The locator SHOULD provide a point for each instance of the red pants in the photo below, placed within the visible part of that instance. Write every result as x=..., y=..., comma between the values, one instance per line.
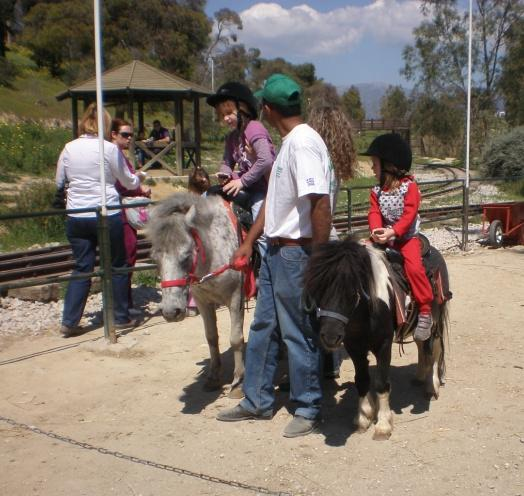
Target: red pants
x=416, y=274
x=130, y=242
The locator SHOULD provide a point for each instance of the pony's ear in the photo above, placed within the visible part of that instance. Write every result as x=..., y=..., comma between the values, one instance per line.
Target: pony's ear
x=191, y=217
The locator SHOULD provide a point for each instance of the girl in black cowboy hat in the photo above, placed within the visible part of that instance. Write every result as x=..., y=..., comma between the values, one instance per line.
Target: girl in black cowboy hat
x=393, y=218
x=249, y=153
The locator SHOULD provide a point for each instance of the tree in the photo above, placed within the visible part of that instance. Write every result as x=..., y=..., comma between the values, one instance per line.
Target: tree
x=352, y=104
x=512, y=77
x=7, y=17
x=394, y=103
x=437, y=62
x=162, y=32
x=58, y=33
x=322, y=94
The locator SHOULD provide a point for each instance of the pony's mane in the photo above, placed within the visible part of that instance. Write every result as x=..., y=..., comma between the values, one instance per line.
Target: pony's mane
x=340, y=269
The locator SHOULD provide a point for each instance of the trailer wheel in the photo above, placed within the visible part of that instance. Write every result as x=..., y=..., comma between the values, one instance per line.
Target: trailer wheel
x=495, y=234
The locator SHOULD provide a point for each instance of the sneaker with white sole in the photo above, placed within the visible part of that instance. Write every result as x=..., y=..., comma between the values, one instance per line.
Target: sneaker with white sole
x=423, y=329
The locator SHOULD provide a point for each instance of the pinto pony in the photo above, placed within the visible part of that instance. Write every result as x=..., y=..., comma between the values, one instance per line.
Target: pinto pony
x=349, y=286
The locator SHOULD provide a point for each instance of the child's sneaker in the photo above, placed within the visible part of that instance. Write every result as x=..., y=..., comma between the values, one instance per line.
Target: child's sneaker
x=423, y=329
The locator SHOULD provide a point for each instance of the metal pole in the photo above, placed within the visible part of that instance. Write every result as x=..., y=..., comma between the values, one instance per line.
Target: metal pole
x=107, y=283
x=103, y=234
x=468, y=132
x=350, y=208
x=212, y=74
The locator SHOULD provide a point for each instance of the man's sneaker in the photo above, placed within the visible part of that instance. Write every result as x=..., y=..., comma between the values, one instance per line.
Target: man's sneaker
x=68, y=331
x=238, y=413
x=423, y=329
x=300, y=426
x=126, y=325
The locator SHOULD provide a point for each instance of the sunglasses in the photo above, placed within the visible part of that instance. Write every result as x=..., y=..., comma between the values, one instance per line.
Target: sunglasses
x=126, y=135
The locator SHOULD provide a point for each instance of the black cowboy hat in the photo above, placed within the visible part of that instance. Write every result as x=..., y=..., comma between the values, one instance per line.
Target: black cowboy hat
x=237, y=92
x=391, y=148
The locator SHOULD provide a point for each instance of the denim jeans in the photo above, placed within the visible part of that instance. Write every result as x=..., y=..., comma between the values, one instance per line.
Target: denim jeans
x=83, y=236
x=278, y=314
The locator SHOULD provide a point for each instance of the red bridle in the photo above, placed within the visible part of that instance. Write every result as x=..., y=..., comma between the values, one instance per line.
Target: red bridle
x=239, y=264
x=191, y=277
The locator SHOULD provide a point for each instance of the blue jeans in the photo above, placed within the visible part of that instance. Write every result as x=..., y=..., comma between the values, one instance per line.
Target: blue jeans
x=279, y=313
x=83, y=236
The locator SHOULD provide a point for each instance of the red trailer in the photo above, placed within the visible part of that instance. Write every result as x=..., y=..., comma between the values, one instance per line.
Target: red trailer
x=503, y=223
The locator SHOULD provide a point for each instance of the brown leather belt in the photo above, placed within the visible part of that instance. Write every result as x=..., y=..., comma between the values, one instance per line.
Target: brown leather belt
x=289, y=242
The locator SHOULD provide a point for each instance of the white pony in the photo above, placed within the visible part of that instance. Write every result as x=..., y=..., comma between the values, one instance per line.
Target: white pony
x=192, y=236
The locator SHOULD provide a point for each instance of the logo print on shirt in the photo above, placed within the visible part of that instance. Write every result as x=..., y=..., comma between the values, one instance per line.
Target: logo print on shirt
x=310, y=181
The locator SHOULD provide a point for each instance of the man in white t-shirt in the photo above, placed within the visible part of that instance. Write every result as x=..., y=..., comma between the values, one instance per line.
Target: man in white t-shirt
x=295, y=217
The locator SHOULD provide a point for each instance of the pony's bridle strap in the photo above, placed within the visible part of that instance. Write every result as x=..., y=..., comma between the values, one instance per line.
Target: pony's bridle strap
x=191, y=277
x=321, y=312
x=334, y=315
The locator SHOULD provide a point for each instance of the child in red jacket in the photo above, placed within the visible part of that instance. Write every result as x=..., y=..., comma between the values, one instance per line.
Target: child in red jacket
x=393, y=218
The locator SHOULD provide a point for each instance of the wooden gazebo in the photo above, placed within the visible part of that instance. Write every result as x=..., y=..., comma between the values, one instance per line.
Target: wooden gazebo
x=137, y=83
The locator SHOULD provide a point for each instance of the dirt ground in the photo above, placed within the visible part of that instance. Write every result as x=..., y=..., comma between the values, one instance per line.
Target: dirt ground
x=149, y=403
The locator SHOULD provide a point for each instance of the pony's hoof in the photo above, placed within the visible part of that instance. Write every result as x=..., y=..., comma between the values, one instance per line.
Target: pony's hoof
x=236, y=393
x=212, y=385
x=362, y=424
x=379, y=435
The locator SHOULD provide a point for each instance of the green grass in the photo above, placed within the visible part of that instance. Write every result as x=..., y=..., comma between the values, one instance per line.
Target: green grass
x=23, y=233
x=32, y=95
x=514, y=190
x=145, y=278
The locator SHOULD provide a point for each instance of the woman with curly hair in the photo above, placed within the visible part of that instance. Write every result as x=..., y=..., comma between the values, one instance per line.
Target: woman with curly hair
x=336, y=131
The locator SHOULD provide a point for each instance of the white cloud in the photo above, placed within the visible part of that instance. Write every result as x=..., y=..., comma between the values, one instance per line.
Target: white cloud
x=304, y=31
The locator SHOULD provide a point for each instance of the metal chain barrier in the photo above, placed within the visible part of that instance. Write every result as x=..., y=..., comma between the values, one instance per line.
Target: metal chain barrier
x=149, y=463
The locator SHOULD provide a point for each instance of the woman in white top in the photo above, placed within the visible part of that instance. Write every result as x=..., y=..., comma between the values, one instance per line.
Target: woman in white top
x=78, y=166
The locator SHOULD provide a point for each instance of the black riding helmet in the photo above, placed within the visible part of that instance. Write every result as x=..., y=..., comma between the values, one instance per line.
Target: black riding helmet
x=237, y=92
x=391, y=148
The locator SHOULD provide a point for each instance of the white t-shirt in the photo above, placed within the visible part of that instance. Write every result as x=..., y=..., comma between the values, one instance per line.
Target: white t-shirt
x=79, y=165
x=302, y=167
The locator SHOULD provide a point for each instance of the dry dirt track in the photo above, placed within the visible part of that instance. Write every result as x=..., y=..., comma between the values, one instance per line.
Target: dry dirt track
x=469, y=442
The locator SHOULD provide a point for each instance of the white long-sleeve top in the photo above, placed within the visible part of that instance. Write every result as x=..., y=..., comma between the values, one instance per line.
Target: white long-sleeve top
x=79, y=166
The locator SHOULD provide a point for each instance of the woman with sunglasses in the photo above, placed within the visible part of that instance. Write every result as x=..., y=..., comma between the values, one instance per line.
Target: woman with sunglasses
x=79, y=167
x=121, y=136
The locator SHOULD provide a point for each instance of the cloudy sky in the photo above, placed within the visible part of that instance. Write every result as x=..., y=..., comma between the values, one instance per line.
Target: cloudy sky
x=352, y=41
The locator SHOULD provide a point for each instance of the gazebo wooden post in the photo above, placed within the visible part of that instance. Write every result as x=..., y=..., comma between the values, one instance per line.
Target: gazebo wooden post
x=196, y=125
x=179, y=116
x=74, y=115
x=141, y=118
x=131, y=118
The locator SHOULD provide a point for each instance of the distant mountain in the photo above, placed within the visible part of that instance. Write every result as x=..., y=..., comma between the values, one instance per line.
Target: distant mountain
x=371, y=94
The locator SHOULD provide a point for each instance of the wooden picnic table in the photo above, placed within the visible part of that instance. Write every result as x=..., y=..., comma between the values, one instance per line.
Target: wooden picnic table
x=156, y=150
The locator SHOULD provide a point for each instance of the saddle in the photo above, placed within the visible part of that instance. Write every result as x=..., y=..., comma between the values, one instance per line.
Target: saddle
x=406, y=311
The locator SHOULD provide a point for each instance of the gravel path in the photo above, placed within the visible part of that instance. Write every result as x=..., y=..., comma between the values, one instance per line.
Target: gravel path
x=45, y=317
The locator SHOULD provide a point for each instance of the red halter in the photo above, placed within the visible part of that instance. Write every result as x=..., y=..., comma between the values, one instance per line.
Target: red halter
x=191, y=277
x=239, y=264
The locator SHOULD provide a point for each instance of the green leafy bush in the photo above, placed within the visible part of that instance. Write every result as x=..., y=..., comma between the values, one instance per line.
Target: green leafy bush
x=8, y=72
x=30, y=147
x=504, y=155
x=36, y=196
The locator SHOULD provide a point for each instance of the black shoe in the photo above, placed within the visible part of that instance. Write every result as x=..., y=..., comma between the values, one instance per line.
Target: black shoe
x=238, y=413
x=126, y=325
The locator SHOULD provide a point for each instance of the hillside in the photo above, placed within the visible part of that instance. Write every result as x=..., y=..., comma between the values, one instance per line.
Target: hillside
x=32, y=94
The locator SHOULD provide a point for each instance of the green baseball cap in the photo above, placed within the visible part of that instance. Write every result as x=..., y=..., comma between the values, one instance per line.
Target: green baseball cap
x=280, y=90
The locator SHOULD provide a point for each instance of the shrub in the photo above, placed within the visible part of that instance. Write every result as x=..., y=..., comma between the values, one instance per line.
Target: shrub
x=503, y=156
x=36, y=196
x=8, y=72
x=30, y=147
